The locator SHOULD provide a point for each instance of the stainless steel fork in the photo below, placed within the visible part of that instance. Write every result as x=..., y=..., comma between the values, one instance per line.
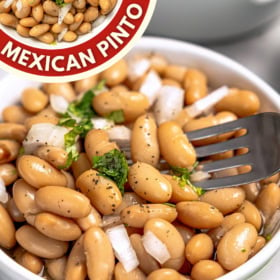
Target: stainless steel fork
x=262, y=140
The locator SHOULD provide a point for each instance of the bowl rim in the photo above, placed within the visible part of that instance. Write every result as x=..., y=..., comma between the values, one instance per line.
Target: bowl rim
x=256, y=263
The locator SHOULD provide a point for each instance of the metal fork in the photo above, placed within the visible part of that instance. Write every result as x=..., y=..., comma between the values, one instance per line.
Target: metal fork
x=262, y=140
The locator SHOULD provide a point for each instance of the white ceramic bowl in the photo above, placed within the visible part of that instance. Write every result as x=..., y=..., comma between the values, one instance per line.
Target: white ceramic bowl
x=220, y=71
x=211, y=20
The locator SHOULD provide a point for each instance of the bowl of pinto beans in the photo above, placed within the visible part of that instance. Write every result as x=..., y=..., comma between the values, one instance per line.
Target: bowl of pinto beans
x=98, y=179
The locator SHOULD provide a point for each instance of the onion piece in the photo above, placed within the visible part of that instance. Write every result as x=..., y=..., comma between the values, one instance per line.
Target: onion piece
x=119, y=133
x=155, y=247
x=207, y=102
x=169, y=103
x=98, y=21
x=63, y=11
x=61, y=34
x=137, y=67
x=4, y=196
x=200, y=176
x=44, y=134
x=109, y=220
x=123, y=249
x=19, y=5
x=102, y=123
x=8, y=3
x=151, y=86
x=58, y=103
x=272, y=225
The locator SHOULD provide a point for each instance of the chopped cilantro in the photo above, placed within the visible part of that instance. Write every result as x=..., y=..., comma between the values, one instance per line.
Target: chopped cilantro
x=112, y=165
x=170, y=204
x=183, y=175
x=243, y=250
x=21, y=151
x=59, y=3
x=116, y=116
x=268, y=237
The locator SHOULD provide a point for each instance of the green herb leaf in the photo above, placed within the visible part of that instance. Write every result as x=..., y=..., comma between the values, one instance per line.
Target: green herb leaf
x=116, y=116
x=59, y=3
x=243, y=250
x=21, y=151
x=268, y=237
x=112, y=165
x=183, y=175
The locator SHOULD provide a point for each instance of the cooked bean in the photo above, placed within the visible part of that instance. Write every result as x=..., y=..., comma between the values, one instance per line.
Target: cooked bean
x=78, y=19
x=99, y=254
x=70, y=36
x=24, y=32
x=40, y=245
x=33, y=3
x=14, y=212
x=115, y=74
x=92, y=219
x=24, y=11
x=56, y=268
x=24, y=197
x=180, y=191
x=235, y=246
x=229, y=221
x=121, y=274
x=200, y=247
x=207, y=270
x=185, y=232
x=51, y=8
x=58, y=28
x=63, y=201
x=12, y=131
x=38, y=13
x=9, y=150
x=102, y=192
x=68, y=19
x=28, y=22
x=106, y=6
x=8, y=20
x=137, y=215
x=148, y=183
x=175, y=146
x=199, y=214
x=250, y=103
x=91, y=14
x=268, y=200
x=30, y=262
x=165, y=274
x=169, y=235
x=252, y=191
x=195, y=85
x=34, y=100
x=47, y=38
x=76, y=262
x=64, y=89
x=38, y=173
x=81, y=165
x=227, y=200
x=4, y=9
x=146, y=262
x=57, y=227
x=251, y=213
x=144, y=143
x=53, y=155
x=39, y=29
x=175, y=72
x=7, y=229
x=258, y=246
x=86, y=84
x=158, y=62
x=8, y=173
x=15, y=114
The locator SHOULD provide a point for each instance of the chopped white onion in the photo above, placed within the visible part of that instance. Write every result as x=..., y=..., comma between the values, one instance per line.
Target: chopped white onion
x=98, y=21
x=151, y=86
x=207, y=102
x=109, y=220
x=63, y=11
x=8, y=3
x=19, y=5
x=273, y=224
x=4, y=196
x=119, y=133
x=58, y=103
x=200, y=176
x=102, y=123
x=123, y=249
x=155, y=247
x=169, y=103
x=44, y=134
x=137, y=67
x=61, y=34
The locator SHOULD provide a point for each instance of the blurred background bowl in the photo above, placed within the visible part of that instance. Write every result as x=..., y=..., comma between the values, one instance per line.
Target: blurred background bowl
x=211, y=21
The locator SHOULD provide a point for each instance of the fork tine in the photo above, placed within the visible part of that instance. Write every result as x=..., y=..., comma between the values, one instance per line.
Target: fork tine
x=217, y=129
x=228, y=145
x=230, y=181
x=245, y=159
